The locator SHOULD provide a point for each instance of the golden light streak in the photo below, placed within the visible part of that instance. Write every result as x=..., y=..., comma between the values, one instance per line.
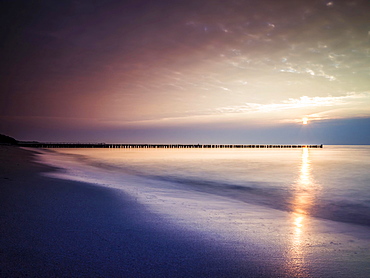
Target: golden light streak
x=304, y=190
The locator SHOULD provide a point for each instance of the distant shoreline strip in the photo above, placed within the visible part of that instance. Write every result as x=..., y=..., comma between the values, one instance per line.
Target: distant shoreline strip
x=163, y=146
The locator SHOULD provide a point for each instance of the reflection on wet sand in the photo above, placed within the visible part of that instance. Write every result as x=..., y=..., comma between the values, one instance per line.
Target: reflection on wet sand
x=304, y=192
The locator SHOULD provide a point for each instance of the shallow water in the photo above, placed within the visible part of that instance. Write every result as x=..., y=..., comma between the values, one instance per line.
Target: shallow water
x=299, y=205
x=331, y=183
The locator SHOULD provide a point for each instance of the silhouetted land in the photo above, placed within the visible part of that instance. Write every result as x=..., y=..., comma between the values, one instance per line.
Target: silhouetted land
x=7, y=140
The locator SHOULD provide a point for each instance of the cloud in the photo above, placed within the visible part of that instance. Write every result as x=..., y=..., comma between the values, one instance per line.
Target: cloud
x=296, y=103
x=290, y=110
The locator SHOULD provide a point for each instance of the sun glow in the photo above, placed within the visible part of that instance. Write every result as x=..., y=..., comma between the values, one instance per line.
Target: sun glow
x=304, y=190
x=305, y=121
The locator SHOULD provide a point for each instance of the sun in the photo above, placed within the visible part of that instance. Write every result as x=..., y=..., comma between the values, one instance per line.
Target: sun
x=304, y=121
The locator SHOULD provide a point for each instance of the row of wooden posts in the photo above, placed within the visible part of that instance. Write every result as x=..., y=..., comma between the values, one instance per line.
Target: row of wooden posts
x=161, y=146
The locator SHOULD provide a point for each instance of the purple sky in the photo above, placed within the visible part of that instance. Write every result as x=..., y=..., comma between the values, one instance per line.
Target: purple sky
x=179, y=71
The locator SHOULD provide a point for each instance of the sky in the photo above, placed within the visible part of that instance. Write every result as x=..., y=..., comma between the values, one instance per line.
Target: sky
x=186, y=71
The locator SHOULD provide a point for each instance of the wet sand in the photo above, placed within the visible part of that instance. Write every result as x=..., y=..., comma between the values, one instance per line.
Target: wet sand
x=58, y=228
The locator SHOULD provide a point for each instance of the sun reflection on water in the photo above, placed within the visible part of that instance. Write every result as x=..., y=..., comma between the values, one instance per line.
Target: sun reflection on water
x=304, y=190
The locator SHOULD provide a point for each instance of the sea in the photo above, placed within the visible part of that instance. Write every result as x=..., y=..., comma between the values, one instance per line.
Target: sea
x=307, y=206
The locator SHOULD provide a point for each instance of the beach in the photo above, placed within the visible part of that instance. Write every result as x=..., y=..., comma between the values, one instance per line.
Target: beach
x=60, y=228
x=54, y=223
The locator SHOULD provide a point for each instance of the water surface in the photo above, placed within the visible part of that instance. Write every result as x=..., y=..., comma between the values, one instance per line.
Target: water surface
x=300, y=206
x=331, y=183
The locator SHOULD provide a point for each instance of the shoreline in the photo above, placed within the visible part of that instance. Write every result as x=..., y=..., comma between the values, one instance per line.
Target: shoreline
x=85, y=224
x=61, y=228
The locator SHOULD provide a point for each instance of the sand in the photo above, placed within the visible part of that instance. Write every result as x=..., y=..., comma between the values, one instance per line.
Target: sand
x=58, y=228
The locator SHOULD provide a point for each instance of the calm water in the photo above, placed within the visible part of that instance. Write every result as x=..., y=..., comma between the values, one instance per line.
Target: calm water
x=331, y=183
x=303, y=212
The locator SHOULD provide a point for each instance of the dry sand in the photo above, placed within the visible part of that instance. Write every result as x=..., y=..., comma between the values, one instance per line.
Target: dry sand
x=57, y=228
